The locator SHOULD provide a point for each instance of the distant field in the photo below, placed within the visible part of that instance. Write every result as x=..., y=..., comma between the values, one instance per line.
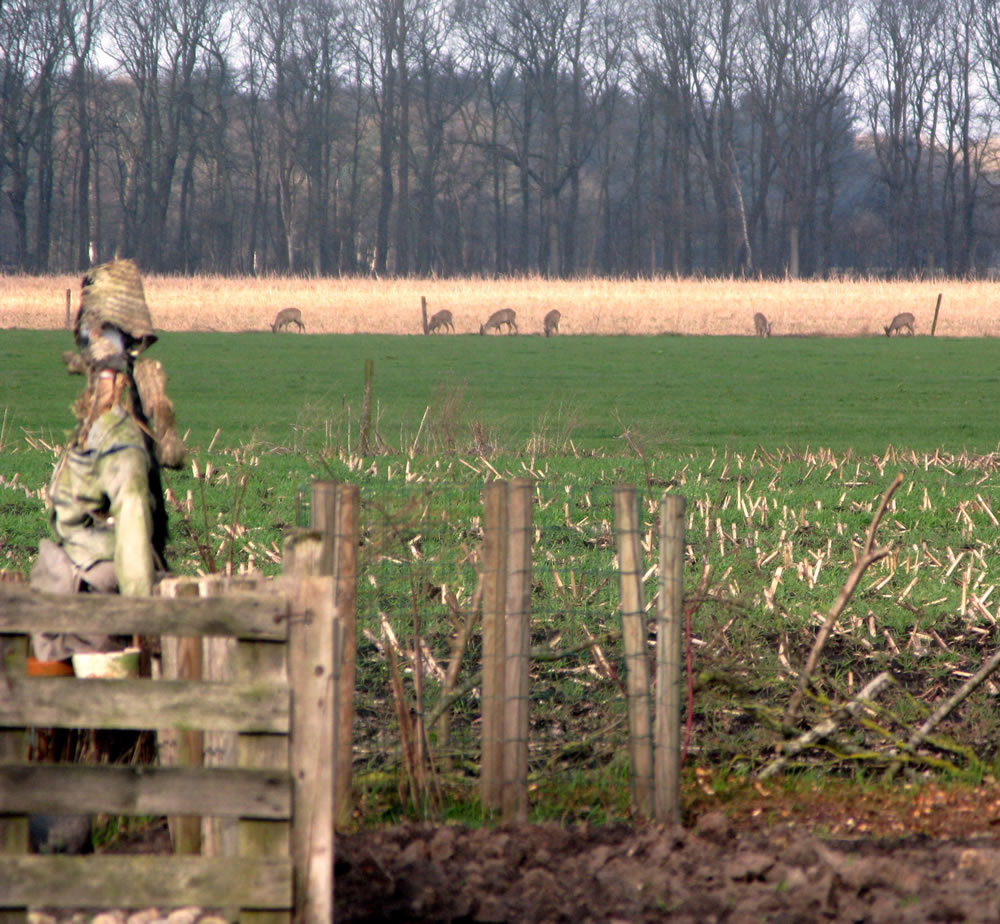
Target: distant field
x=529, y=395
x=588, y=306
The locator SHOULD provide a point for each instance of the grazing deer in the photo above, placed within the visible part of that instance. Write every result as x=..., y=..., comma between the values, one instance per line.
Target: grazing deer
x=761, y=327
x=901, y=321
x=287, y=316
x=503, y=316
x=552, y=322
x=440, y=320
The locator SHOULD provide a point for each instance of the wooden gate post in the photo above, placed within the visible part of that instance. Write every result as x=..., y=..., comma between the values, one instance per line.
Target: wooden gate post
x=669, y=618
x=517, y=662
x=314, y=657
x=634, y=640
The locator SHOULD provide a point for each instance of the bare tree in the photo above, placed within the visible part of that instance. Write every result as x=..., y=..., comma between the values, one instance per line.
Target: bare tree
x=798, y=59
x=81, y=21
x=33, y=50
x=271, y=39
x=900, y=106
x=159, y=45
x=963, y=137
x=320, y=57
x=697, y=42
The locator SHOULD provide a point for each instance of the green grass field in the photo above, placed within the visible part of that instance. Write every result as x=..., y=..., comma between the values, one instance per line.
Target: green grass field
x=680, y=394
x=780, y=447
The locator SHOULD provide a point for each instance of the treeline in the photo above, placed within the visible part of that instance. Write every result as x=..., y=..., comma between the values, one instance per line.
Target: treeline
x=562, y=137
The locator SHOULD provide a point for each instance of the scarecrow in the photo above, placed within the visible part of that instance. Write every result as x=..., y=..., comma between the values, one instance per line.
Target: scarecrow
x=108, y=520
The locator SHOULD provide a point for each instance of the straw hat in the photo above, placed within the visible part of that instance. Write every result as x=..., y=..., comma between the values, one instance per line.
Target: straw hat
x=112, y=294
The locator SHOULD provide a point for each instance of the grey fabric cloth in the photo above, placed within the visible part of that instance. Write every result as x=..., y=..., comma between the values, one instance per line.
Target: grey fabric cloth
x=55, y=573
x=102, y=519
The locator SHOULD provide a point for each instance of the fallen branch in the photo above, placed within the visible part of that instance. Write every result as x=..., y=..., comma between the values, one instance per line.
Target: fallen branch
x=949, y=704
x=828, y=726
x=946, y=708
x=869, y=555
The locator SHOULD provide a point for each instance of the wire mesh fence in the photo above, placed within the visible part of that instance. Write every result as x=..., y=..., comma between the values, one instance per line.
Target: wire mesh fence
x=422, y=737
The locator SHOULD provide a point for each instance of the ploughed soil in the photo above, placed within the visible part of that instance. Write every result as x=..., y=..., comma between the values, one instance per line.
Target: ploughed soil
x=770, y=853
x=828, y=854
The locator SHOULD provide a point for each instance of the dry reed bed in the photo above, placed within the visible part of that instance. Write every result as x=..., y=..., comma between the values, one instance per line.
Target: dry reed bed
x=588, y=306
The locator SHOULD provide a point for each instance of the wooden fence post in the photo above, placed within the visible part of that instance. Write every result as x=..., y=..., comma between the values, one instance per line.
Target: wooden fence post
x=323, y=519
x=494, y=607
x=669, y=619
x=517, y=663
x=314, y=659
x=347, y=536
x=634, y=641
x=365, y=436
x=335, y=513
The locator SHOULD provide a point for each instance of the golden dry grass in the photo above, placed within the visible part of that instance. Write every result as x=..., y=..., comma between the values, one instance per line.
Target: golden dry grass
x=588, y=306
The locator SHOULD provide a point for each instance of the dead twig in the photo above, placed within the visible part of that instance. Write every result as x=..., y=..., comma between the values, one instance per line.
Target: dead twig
x=869, y=555
x=946, y=708
x=828, y=726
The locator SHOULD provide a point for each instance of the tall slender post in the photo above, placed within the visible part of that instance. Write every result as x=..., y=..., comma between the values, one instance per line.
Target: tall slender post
x=323, y=519
x=313, y=666
x=345, y=575
x=634, y=635
x=334, y=516
x=364, y=439
x=517, y=663
x=670, y=614
x=494, y=607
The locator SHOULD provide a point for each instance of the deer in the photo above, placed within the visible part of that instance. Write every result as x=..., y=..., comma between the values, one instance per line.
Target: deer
x=503, y=316
x=902, y=320
x=552, y=322
x=287, y=316
x=440, y=320
x=761, y=326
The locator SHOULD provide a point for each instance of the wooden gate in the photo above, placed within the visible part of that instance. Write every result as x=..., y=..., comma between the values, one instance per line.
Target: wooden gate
x=280, y=704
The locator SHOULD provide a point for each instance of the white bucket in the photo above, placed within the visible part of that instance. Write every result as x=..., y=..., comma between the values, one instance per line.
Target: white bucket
x=109, y=664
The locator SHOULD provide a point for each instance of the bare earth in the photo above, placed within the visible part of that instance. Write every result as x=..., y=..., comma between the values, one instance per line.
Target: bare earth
x=833, y=853
x=713, y=872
